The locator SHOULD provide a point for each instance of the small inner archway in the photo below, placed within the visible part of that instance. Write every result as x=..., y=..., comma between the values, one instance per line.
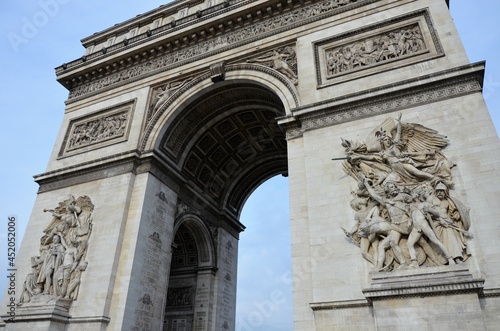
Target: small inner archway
x=191, y=274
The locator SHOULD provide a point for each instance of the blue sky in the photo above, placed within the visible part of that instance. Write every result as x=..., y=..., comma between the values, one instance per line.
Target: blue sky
x=32, y=106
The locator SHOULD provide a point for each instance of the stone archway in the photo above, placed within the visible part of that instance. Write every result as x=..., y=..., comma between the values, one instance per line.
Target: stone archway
x=174, y=113
x=224, y=142
x=227, y=142
x=192, y=273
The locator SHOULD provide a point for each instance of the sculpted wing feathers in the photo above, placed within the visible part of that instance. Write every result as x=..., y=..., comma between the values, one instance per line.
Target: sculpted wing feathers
x=84, y=201
x=419, y=138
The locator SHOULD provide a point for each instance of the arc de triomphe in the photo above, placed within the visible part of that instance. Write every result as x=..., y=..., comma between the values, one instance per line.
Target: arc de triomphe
x=175, y=116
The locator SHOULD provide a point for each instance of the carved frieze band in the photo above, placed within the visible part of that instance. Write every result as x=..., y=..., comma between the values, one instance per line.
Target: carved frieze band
x=253, y=32
x=108, y=126
x=355, y=111
x=84, y=176
x=466, y=287
x=397, y=42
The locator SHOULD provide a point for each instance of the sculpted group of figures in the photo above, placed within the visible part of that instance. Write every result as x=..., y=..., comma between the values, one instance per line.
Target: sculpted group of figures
x=391, y=45
x=57, y=270
x=97, y=130
x=404, y=214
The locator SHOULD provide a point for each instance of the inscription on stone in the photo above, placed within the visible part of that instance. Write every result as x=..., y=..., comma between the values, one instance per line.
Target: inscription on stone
x=179, y=325
x=228, y=287
x=151, y=270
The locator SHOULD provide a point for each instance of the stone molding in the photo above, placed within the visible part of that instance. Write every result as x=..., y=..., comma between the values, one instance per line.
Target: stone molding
x=346, y=304
x=177, y=25
x=357, y=42
x=45, y=309
x=58, y=179
x=411, y=93
x=99, y=129
x=153, y=61
x=106, y=167
x=430, y=281
x=90, y=319
x=129, y=162
x=490, y=293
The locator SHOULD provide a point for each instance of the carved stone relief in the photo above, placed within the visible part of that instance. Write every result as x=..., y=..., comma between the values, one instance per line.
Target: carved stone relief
x=400, y=41
x=385, y=47
x=180, y=296
x=183, y=208
x=404, y=213
x=161, y=94
x=203, y=48
x=283, y=60
x=57, y=271
x=98, y=130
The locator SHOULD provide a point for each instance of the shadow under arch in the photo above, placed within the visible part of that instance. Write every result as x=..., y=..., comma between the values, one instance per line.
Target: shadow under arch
x=219, y=142
x=223, y=139
x=201, y=236
x=192, y=272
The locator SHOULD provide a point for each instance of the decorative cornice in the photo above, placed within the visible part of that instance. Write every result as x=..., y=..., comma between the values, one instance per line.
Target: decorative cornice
x=110, y=166
x=346, y=304
x=475, y=286
x=410, y=93
x=490, y=293
x=153, y=34
x=430, y=281
x=158, y=59
x=90, y=319
x=136, y=163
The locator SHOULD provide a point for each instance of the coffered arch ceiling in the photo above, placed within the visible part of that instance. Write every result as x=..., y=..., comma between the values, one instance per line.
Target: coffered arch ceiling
x=227, y=142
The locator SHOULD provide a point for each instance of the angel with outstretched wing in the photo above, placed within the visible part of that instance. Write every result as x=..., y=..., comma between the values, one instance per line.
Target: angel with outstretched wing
x=412, y=153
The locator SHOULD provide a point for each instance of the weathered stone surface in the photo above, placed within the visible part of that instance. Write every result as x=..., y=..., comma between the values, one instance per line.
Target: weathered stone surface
x=168, y=158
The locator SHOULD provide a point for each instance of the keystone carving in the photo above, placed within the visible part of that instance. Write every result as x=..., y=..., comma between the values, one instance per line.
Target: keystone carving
x=218, y=72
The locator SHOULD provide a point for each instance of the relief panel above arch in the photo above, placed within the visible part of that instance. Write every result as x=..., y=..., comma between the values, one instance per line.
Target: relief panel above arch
x=376, y=48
